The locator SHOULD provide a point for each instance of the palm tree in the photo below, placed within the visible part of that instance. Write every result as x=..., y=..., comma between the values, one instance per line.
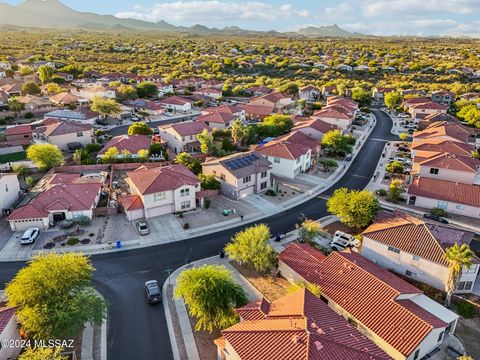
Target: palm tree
x=458, y=257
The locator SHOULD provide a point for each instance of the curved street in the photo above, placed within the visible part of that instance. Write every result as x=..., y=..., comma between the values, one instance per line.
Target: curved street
x=139, y=331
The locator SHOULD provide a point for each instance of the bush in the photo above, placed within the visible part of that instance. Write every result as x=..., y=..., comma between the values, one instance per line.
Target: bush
x=381, y=192
x=207, y=203
x=91, y=148
x=270, y=192
x=439, y=212
x=72, y=241
x=31, y=181
x=209, y=182
x=466, y=309
x=29, y=115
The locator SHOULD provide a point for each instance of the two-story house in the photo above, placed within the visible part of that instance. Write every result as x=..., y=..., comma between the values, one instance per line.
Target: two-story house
x=277, y=100
x=443, y=97
x=394, y=315
x=159, y=191
x=63, y=133
x=309, y=93
x=182, y=137
x=240, y=175
x=288, y=159
x=177, y=104
x=127, y=144
x=412, y=247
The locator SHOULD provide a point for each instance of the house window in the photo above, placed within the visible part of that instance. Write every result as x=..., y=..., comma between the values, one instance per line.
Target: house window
x=184, y=192
x=276, y=160
x=440, y=337
x=185, y=205
x=433, y=171
x=410, y=274
x=417, y=353
x=263, y=175
x=464, y=285
x=393, y=249
x=416, y=258
x=80, y=134
x=460, y=207
x=263, y=185
x=247, y=179
x=159, y=196
x=442, y=205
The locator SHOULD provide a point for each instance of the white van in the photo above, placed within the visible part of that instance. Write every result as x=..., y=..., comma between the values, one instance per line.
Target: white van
x=342, y=241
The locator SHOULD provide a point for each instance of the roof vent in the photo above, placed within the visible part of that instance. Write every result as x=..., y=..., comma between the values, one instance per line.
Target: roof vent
x=318, y=345
x=295, y=339
x=320, y=331
x=314, y=325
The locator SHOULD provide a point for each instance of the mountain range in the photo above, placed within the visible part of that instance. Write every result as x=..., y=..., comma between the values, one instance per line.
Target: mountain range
x=50, y=14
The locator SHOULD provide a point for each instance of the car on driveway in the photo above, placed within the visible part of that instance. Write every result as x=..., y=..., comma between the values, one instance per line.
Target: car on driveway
x=142, y=227
x=435, y=218
x=29, y=236
x=342, y=241
x=153, y=292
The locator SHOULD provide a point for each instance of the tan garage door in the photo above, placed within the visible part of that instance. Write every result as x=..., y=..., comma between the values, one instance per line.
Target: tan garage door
x=24, y=225
x=161, y=210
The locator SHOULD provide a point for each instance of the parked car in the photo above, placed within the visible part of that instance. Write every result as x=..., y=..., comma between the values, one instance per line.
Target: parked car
x=435, y=218
x=342, y=241
x=142, y=227
x=403, y=148
x=348, y=157
x=29, y=236
x=152, y=291
x=279, y=236
x=403, y=160
x=411, y=126
x=403, y=116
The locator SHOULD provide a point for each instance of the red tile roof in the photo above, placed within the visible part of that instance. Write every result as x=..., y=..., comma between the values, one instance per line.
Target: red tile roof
x=257, y=110
x=164, y=178
x=131, y=143
x=442, y=129
x=437, y=146
x=298, y=137
x=283, y=149
x=368, y=293
x=131, y=202
x=455, y=192
x=6, y=314
x=273, y=97
x=331, y=113
x=18, y=130
x=55, y=128
x=187, y=128
x=217, y=118
x=412, y=235
x=298, y=326
x=175, y=100
x=316, y=124
x=451, y=162
x=70, y=197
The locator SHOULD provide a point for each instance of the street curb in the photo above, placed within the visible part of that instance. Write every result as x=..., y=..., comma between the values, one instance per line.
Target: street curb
x=88, y=332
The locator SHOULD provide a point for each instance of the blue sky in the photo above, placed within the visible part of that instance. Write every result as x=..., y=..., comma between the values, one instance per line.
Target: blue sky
x=381, y=17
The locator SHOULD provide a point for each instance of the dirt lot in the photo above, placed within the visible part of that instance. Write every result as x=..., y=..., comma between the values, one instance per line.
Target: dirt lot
x=338, y=226
x=271, y=289
x=204, y=341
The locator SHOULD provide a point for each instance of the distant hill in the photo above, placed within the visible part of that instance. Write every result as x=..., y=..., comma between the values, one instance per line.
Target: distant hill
x=49, y=14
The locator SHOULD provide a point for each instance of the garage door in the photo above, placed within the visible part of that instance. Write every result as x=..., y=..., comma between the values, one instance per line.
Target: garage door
x=161, y=210
x=246, y=192
x=24, y=225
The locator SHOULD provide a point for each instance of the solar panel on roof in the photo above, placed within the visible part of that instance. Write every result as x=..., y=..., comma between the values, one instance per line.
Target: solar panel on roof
x=242, y=162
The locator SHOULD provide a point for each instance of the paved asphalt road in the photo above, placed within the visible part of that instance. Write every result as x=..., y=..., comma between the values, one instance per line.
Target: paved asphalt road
x=139, y=331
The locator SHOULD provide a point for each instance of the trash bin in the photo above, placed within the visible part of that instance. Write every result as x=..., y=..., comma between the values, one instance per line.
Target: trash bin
x=119, y=244
x=222, y=254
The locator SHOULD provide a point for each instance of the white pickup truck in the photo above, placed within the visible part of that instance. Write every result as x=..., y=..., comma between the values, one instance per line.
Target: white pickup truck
x=342, y=241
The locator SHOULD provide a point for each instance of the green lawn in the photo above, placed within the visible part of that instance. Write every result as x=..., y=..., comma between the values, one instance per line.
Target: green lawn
x=13, y=157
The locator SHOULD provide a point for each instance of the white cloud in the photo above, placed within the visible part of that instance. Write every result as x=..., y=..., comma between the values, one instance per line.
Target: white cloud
x=399, y=8
x=340, y=10
x=210, y=12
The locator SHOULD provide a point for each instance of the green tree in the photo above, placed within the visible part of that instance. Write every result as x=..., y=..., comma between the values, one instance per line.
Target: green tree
x=126, y=92
x=139, y=128
x=45, y=74
x=53, y=88
x=110, y=155
x=211, y=295
x=275, y=125
x=328, y=164
x=30, y=88
x=54, y=296
x=238, y=131
x=354, y=208
x=206, y=141
x=42, y=353
x=21, y=170
x=403, y=136
x=392, y=99
x=364, y=98
x=459, y=257
x=395, y=190
x=251, y=246
x=186, y=159
x=26, y=70
x=105, y=107
x=476, y=154
x=334, y=142
x=395, y=167
x=45, y=156
x=15, y=105
x=147, y=90
x=309, y=230
x=289, y=88
x=209, y=182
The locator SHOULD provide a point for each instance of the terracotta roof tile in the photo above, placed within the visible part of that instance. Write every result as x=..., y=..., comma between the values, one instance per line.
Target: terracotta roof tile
x=131, y=202
x=6, y=314
x=131, y=143
x=187, y=128
x=283, y=149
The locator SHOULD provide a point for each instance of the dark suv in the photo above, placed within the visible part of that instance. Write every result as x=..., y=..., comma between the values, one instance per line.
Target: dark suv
x=152, y=291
